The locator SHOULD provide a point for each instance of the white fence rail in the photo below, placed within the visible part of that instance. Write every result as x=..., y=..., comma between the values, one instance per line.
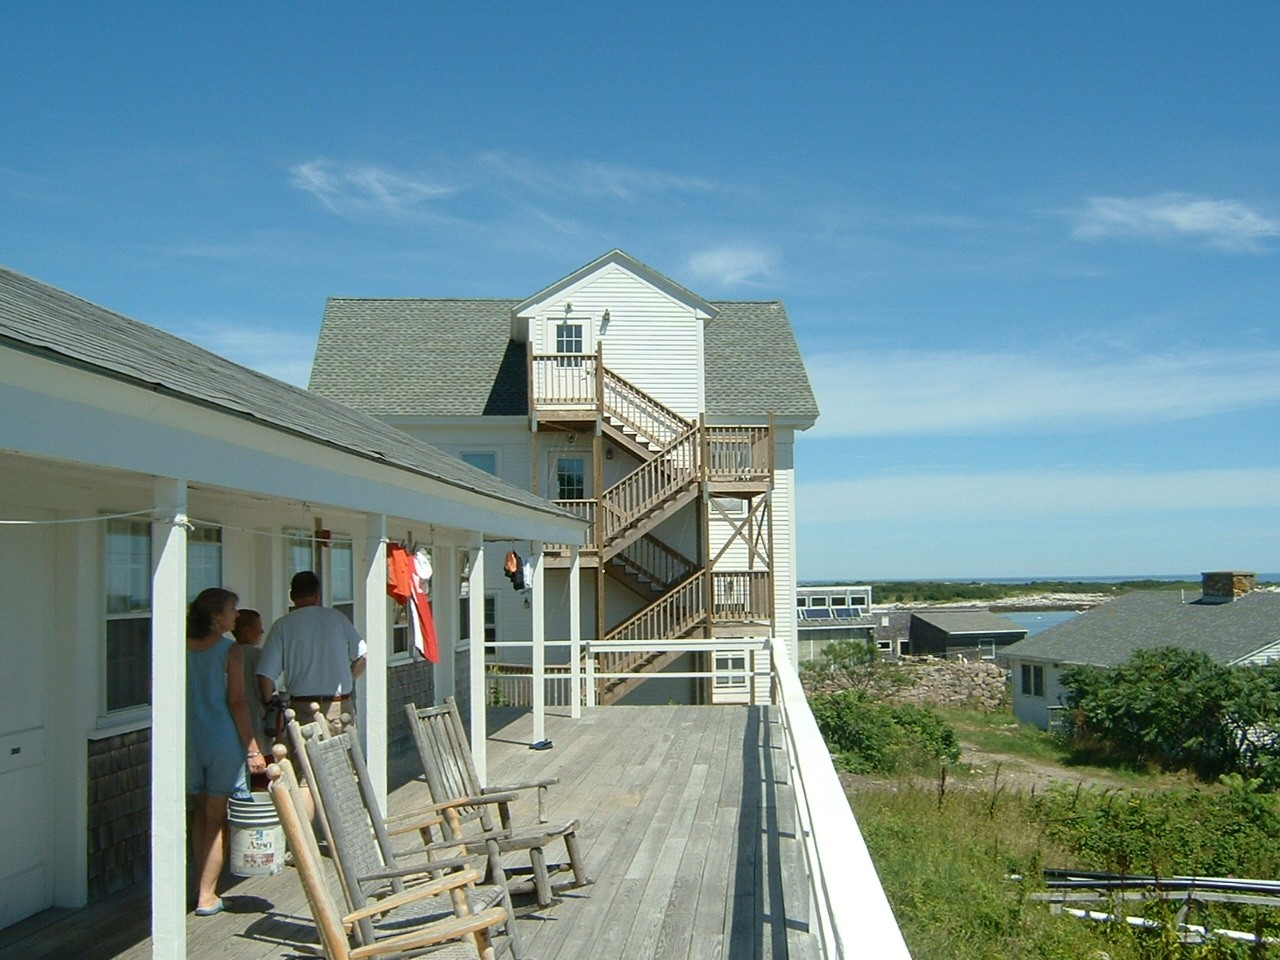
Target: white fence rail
x=851, y=915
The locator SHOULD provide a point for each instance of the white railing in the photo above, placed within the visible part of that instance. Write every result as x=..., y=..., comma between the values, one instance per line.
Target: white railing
x=850, y=914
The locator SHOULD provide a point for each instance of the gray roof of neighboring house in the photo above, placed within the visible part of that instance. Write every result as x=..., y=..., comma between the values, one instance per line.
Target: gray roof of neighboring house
x=45, y=321
x=959, y=622
x=1110, y=633
x=444, y=358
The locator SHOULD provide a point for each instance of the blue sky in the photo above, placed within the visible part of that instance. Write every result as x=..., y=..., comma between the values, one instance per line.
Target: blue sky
x=1030, y=251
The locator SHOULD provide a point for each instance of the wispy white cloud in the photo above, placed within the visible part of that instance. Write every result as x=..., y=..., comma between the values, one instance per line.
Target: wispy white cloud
x=365, y=190
x=968, y=496
x=1226, y=224
x=956, y=392
x=630, y=183
x=591, y=179
x=733, y=265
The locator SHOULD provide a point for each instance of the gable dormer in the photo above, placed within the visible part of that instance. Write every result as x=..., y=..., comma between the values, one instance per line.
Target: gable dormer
x=648, y=327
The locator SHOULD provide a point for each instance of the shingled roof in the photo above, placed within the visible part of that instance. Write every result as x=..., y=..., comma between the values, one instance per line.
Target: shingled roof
x=43, y=320
x=1110, y=633
x=397, y=357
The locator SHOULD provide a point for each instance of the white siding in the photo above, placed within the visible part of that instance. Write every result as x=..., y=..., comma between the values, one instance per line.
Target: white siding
x=652, y=340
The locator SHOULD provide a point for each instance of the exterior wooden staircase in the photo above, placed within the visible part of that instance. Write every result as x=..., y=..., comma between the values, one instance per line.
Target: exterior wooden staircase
x=679, y=461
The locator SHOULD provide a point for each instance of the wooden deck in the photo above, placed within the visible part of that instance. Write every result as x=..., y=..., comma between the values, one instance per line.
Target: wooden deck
x=687, y=832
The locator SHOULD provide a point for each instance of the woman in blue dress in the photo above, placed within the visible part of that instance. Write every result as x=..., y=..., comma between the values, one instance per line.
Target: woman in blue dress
x=220, y=739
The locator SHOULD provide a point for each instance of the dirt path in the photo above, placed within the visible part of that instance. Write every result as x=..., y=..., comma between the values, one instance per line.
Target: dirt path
x=981, y=769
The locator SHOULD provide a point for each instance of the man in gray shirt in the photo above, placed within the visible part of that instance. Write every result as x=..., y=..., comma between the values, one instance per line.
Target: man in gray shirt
x=315, y=651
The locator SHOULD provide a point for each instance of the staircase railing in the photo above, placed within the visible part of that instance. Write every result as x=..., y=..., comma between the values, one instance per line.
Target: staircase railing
x=650, y=485
x=672, y=615
x=632, y=407
x=650, y=559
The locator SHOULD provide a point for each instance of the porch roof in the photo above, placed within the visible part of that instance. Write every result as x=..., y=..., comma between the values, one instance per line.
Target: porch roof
x=44, y=321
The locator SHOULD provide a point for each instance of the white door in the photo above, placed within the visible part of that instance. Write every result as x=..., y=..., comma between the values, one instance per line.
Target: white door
x=26, y=636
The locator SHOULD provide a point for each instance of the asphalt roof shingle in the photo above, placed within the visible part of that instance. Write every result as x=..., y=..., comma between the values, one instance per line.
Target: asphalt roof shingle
x=1110, y=633
x=429, y=357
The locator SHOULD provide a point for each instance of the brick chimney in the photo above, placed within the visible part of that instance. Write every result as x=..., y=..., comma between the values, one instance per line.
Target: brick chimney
x=1226, y=585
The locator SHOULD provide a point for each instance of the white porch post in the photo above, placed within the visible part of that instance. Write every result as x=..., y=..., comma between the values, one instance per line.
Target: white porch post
x=575, y=633
x=169, y=736
x=539, y=613
x=479, y=718
x=372, y=702
x=444, y=606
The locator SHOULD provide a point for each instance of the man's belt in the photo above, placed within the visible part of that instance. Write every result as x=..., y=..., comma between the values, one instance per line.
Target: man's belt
x=332, y=697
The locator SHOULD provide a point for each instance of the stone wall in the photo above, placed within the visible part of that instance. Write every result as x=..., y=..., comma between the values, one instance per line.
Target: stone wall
x=979, y=684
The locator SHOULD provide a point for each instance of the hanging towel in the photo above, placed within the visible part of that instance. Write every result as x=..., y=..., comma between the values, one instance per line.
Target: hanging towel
x=405, y=576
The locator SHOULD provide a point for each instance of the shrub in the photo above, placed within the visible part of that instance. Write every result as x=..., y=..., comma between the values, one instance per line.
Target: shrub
x=870, y=737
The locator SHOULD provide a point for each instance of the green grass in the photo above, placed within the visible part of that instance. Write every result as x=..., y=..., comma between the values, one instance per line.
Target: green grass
x=999, y=732
x=945, y=853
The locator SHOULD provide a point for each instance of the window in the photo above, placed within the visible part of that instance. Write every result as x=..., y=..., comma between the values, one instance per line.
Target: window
x=817, y=601
x=839, y=601
x=569, y=340
x=802, y=601
x=399, y=629
x=571, y=478
x=204, y=560
x=128, y=629
x=342, y=583
x=1032, y=680
x=482, y=460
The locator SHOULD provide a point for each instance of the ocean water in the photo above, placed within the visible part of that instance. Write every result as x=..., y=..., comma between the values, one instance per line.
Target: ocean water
x=1036, y=620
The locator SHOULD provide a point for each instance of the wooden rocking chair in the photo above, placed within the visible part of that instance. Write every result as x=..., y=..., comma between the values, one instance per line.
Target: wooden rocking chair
x=360, y=841
x=460, y=933
x=466, y=805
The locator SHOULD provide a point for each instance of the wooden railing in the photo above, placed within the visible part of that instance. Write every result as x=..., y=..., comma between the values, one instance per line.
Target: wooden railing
x=629, y=405
x=564, y=380
x=650, y=559
x=671, y=616
x=742, y=596
x=738, y=453
x=586, y=509
x=648, y=487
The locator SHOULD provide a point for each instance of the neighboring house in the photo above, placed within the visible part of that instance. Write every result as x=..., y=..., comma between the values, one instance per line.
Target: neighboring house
x=833, y=611
x=667, y=421
x=138, y=469
x=1230, y=621
x=972, y=634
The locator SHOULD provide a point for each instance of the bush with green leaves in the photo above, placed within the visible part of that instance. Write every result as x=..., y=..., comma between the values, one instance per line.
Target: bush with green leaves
x=1180, y=710
x=870, y=737
x=1232, y=830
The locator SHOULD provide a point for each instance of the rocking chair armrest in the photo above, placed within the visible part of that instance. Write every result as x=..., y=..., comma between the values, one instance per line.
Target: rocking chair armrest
x=423, y=891
x=506, y=787
x=486, y=797
x=417, y=820
x=426, y=866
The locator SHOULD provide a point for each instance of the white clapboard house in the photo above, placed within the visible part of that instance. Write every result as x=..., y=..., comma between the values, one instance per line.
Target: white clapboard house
x=665, y=420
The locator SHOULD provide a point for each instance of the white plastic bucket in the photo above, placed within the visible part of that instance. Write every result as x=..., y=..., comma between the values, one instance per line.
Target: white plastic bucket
x=257, y=839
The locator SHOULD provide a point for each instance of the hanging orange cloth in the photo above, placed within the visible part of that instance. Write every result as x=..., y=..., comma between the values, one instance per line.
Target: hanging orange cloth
x=400, y=573
x=405, y=577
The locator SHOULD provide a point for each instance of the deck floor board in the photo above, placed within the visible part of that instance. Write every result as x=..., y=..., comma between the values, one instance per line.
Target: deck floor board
x=687, y=832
